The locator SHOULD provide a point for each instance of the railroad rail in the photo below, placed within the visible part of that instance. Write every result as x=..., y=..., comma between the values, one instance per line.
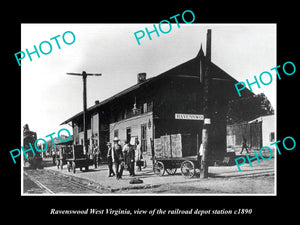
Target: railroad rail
x=51, y=182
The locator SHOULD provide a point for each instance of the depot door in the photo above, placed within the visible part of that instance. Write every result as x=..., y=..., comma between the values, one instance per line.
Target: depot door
x=128, y=134
x=144, y=137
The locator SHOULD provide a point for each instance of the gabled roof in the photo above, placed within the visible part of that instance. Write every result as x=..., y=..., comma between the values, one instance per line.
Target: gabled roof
x=190, y=68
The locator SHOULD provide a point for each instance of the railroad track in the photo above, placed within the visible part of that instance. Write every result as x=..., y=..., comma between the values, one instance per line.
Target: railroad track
x=50, y=182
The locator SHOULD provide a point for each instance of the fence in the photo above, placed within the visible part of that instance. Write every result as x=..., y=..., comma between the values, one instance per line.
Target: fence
x=251, y=131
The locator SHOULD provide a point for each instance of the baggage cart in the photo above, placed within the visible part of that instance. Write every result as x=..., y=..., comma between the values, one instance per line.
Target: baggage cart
x=76, y=159
x=176, y=151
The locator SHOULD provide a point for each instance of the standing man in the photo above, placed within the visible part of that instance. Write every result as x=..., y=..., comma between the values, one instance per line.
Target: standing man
x=125, y=151
x=96, y=155
x=138, y=156
x=200, y=154
x=244, y=145
x=130, y=160
x=118, y=158
x=90, y=152
x=53, y=152
x=110, y=160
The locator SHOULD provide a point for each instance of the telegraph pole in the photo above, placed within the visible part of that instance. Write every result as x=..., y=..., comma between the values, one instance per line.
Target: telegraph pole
x=207, y=79
x=206, y=124
x=84, y=76
x=206, y=108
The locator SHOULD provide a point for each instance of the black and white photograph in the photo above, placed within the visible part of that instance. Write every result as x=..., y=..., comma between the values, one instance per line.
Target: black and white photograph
x=145, y=112
x=159, y=109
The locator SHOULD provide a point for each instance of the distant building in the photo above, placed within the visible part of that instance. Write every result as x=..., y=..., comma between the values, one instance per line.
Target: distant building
x=169, y=103
x=258, y=132
x=267, y=129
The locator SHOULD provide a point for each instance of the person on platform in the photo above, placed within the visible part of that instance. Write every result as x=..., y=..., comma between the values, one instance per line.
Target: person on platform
x=200, y=155
x=96, y=154
x=130, y=158
x=118, y=158
x=125, y=151
x=111, y=172
x=138, y=156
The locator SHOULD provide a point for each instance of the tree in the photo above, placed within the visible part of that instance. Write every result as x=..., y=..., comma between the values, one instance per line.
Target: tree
x=248, y=108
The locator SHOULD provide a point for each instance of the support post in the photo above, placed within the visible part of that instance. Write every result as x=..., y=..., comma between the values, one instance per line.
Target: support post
x=206, y=126
x=84, y=76
x=85, y=144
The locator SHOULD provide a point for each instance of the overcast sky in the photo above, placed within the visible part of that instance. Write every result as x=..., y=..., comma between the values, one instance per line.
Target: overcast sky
x=49, y=96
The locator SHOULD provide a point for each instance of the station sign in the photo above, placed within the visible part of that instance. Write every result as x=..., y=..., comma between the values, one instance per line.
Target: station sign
x=181, y=116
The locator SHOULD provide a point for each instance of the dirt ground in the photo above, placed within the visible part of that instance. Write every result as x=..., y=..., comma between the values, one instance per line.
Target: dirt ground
x=258, y=179
x=250, y=185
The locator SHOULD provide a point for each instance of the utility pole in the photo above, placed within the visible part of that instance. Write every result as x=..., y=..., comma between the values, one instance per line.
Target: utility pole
x=84, y=76
x=206, y=107
x=206, y=124
x=207, y=79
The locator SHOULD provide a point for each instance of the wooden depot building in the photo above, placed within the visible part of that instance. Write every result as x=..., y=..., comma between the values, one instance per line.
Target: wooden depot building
x=169, y=103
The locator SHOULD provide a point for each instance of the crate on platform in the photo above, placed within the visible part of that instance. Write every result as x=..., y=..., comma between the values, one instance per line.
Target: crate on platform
x=158, y=151
x=166, y=146
x=174, y=146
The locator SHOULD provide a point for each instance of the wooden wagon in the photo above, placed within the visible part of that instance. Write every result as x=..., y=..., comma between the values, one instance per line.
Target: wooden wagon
x=62, y=149
x=77, y=159
x=189, y=166
x=175, y=151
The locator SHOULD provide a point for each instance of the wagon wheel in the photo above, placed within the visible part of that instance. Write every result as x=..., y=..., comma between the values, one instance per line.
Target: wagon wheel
x=171, y=171
x=159, y=168
x=74, y=167
x=187, y=169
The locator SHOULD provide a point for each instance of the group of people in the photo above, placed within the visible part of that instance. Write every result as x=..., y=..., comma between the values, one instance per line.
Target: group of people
x=122, y=158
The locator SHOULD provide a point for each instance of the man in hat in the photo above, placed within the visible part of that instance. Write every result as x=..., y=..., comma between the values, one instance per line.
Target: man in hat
x=110, y=160
x=138, y=156
x=130, y=159
x=128, y=152
x=118, y=158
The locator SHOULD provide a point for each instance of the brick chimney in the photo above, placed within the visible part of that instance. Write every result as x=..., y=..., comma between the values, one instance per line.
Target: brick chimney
x=208, y=45
x=141, y=77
